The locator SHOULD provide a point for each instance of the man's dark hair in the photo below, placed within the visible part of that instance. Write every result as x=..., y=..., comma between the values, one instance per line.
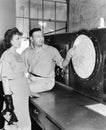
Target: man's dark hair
x=33, y=30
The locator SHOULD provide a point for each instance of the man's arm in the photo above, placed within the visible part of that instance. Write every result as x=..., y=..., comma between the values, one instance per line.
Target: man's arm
x=69, y=55
x=62, y=63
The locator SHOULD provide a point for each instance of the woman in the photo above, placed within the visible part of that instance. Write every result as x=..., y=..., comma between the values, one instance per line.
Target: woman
x=3, y=47
x=15, y=84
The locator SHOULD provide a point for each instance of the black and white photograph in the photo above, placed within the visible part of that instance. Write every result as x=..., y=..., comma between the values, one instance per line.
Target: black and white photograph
x=53, y=65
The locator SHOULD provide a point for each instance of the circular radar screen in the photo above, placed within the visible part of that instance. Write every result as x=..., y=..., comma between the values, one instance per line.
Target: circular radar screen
x=84, y=56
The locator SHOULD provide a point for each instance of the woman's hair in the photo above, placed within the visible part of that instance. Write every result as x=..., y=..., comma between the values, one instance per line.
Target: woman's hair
x=5, y=43
x=9, y=35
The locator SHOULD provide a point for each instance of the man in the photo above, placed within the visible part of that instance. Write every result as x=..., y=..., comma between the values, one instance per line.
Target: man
x=40, y=60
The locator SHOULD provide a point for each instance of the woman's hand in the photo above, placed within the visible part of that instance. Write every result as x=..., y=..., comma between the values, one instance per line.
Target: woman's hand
x=9, y=108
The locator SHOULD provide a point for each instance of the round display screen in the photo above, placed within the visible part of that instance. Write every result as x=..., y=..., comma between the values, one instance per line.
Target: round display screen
x=84, y=56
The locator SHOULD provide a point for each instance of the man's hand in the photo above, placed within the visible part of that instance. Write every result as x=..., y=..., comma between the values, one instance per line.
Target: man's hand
x=70, y=53
x=34, y=95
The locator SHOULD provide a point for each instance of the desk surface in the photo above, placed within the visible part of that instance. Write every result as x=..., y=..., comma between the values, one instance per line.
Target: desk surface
x=66, y=108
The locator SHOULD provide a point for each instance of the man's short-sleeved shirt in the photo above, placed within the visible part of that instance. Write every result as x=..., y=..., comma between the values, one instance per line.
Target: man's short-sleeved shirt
x=42, y=62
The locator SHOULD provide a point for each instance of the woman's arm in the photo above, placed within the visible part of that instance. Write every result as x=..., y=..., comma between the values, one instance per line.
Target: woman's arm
x=6, y=86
